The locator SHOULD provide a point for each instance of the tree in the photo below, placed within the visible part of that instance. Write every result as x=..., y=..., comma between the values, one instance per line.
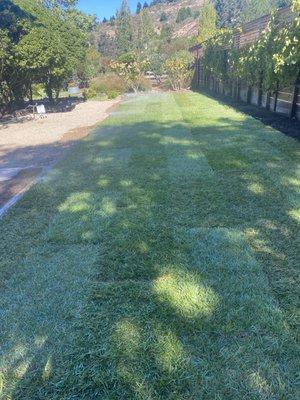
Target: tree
x=183, y=14
x=207, y=21
x=163, y=17
x=124, y=29
x=138, y=7
x=178, y=69
x=255, y=8
x=228, y=12
x=51, y=52
x=45, y=43
x=232, y=13
x=166, y=33
x=132, y=68
x=91, y=67
x=146, y=31
x=60, y=3
x=15, y=22
x=107, y=45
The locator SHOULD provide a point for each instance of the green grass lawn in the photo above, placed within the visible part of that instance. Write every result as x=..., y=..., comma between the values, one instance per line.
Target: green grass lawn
x=158, y=261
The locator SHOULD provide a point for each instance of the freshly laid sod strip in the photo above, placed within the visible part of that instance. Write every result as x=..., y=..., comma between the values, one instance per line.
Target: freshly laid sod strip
x=158, y=261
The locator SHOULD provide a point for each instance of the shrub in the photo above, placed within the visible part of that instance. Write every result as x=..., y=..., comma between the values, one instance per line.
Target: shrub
x=144, y=84
x=183, y=14
x=113, y=94
x=163, y=17
x=178, y=69
x=108, y=83
x=91, y=93
x=131, y=68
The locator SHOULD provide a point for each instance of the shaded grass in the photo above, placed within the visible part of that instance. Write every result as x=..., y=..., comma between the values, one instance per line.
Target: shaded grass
x=157, y=261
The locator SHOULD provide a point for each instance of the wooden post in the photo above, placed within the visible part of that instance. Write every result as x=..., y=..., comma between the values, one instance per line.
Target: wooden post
x=276, y=96
x=296, y=92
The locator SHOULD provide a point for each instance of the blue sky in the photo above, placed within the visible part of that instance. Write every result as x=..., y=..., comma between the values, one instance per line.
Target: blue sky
x=103, y=8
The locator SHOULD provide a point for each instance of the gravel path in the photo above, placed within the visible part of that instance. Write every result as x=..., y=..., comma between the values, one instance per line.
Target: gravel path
x=33, y=145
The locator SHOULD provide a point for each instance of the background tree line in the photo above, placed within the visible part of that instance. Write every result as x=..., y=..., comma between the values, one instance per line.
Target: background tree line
x=162, y=51
x=47, y=43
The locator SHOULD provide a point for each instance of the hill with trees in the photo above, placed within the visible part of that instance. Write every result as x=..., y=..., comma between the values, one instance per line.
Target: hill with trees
x=182, y=16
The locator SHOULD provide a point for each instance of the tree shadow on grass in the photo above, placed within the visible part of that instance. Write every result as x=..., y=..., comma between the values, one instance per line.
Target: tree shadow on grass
x=173, y=303
x=280, y=122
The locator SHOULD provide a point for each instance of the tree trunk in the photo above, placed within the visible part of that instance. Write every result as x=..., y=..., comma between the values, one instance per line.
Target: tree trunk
x=57, y=92
x=49, y=93
x=30, y=93
x=276, y=96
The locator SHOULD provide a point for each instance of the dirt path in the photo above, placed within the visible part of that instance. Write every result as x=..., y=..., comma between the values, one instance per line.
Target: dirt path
x=27, y=149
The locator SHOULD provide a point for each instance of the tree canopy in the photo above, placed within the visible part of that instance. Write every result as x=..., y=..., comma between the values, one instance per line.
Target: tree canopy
x=124, y=30
x=40, y=42
x=207, y=21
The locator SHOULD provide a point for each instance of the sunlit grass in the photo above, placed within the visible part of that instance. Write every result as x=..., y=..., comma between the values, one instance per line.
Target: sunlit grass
x=157, y=261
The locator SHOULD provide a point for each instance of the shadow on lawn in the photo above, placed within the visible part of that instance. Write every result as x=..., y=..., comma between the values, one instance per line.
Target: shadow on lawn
x=162, y=322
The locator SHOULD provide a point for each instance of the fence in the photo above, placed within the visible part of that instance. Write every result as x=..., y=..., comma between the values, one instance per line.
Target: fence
x=284, y=100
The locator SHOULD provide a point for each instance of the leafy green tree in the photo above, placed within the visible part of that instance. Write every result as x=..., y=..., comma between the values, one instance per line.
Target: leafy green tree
x=183, y=14
x=163, y=17
x=124, y=29
x=132, y=68
x=91, y=66
x=60, y=3
x=146, y=31
x=232, y=13
x=51, y=52
x=228, y=12
x=84, y=22
x=207, y=21
x=107, y=45
x=166, y=33
x=138, y=7
x=253, y=9
x=15, y=22
x=41, y=42
x=178, y=69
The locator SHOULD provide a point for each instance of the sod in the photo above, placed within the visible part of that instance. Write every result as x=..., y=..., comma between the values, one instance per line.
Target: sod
x=157, y=261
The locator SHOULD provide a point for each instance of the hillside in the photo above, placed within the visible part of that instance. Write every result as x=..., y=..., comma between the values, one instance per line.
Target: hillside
x=186, y=28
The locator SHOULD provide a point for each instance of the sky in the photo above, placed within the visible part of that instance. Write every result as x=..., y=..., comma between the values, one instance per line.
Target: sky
x=103, y=8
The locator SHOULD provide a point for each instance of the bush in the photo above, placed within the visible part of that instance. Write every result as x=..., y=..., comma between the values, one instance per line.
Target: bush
x=108, y=83
x=113, y=94
x=144, y=84
x=183, y=14
x=179, y=71
x=163, y=17
x=131, y=68
x=91, y=93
